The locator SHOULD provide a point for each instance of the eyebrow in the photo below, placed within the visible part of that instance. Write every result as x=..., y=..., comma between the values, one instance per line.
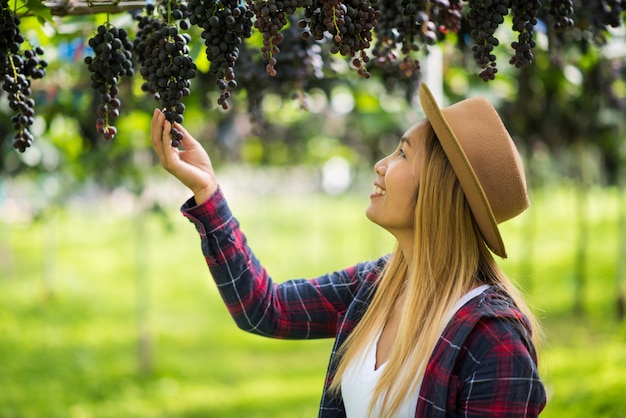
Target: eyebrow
x=405, y=140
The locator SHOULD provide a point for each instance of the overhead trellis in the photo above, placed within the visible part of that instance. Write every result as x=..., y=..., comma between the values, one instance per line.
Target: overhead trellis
x=386, y=37
x=77, y=7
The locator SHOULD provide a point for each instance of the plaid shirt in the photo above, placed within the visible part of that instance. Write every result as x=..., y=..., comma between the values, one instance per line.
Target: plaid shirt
x=484, y=364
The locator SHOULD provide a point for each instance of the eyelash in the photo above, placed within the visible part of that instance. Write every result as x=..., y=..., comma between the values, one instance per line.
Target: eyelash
x=401, y=152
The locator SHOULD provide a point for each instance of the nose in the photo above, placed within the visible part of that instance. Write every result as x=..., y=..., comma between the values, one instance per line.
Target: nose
x=380, y=167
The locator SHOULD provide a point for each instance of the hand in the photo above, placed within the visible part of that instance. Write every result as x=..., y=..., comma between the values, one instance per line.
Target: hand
x=192, y=166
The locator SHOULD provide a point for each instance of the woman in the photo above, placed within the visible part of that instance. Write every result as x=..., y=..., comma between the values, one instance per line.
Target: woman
x=434, y=330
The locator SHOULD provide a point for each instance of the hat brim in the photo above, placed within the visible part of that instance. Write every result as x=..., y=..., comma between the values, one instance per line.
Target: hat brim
x=474, y=193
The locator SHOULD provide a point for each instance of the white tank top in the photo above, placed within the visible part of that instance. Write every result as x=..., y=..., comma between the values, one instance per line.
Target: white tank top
x=361, y=376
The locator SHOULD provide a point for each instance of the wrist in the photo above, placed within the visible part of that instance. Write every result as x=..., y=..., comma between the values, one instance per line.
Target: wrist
x=203, y=194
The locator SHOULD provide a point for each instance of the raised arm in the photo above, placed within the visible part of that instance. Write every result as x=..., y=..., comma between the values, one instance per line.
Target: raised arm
x=294, y=309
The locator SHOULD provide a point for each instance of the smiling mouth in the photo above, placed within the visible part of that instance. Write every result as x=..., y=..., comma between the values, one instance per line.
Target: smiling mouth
x=379, y=191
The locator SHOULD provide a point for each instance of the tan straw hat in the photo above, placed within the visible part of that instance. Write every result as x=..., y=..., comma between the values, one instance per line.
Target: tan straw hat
x=485, y=160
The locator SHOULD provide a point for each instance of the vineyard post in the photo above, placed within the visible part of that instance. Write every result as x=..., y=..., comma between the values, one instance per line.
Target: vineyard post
x=582, y=223
x=142, y=296
x=620, y=272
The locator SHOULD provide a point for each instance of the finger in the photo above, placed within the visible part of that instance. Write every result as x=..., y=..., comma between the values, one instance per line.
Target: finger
x=156, y=130
x=170, y=153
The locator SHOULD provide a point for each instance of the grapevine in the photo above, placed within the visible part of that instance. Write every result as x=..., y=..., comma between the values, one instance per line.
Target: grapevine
x=388, y=37
x=17, y=67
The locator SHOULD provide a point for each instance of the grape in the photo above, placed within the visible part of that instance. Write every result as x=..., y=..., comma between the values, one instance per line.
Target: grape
x=607, y=13
x=484, y=17
x=17, y=67
x=306, y=66
x=561, y=11
x=111, y=60
x=350, y=24
x=225, y=25
x=270, y=19
x=447, y=15
x=603, y=14
x=524, y=20
x=166, y=67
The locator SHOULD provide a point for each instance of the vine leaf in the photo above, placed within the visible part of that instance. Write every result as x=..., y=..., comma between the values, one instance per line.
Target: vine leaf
x=38, y=9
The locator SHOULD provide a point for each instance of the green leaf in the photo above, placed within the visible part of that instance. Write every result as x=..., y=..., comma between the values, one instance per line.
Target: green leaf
x=39, y=10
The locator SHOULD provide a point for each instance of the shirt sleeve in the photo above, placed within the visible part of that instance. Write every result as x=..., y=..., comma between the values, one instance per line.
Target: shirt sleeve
x=499, y=376
x=295, y=309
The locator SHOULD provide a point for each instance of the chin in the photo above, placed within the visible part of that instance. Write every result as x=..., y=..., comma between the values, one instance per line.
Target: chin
x=369, y=212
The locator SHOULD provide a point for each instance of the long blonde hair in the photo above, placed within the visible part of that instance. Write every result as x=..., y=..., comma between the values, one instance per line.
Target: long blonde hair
x=449, y=258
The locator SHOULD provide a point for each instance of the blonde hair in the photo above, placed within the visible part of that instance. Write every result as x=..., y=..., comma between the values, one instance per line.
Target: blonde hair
x=449, y=259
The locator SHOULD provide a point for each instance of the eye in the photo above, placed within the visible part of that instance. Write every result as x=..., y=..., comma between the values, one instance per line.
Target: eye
x=401, y=152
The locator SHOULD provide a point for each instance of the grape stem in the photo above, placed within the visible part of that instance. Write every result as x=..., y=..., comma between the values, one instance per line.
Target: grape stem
x=335, y=21
x=17, y=96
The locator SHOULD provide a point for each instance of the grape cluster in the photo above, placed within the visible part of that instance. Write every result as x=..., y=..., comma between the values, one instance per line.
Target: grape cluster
x=225, y=24
x=270, y=18
x=166, y=66
x=350, y=25
x=606, y=13
x=306, y=68
x=395, y=31
x=484, y=17
x=112, y=60
x=402, y=28
x=561, y=12
x=524, y=20
x=447, y=13
x=17, y=67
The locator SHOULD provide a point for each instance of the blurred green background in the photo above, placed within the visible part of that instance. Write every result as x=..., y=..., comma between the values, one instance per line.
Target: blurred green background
x=108, y=310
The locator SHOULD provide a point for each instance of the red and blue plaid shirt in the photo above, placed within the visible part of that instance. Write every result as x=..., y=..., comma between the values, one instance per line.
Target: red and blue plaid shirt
x=484, y=364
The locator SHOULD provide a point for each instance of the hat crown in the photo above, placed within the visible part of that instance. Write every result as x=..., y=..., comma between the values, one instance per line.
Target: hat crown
x=485, y=160
x=492, y=154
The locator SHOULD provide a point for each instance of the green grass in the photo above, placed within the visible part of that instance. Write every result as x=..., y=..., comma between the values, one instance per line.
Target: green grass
x=76, y=290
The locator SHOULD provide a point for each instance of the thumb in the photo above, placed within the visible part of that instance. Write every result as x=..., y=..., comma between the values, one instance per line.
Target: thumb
x=188, y=141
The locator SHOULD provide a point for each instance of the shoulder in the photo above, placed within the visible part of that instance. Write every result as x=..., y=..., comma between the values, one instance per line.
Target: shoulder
x=370, y=271
x=493, y=331
x=495, y=307
x=485, y=358
x=489, y=323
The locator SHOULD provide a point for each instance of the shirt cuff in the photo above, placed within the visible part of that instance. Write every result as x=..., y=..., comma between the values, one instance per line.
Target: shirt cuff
x=210, y=215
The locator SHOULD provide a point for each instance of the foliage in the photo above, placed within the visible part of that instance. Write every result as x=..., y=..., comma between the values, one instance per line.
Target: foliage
x=282, y=119
x=69, y=327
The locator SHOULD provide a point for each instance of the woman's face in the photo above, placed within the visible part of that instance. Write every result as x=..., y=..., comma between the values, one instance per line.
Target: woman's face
x=392, y=205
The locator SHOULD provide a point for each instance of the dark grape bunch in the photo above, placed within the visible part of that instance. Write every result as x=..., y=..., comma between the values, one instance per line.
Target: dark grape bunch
x=484, y=17
x=17, y=68
x=350, y=25
x=270, y=19
x=166, y=66
x=524, y=20
x=225, y=25
x=306, y=67
x=404, y=26
x=607, y=13
x=112, y=60
x=447, y=15
x=561, y=12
